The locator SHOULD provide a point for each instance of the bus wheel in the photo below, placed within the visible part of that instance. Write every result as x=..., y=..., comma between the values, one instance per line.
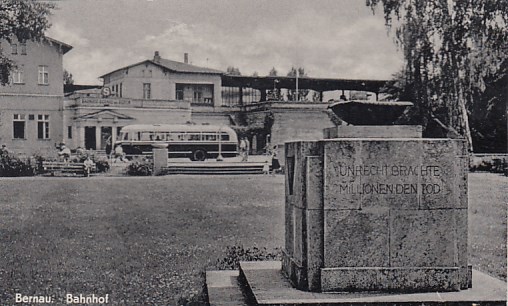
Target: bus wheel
x=198, y=155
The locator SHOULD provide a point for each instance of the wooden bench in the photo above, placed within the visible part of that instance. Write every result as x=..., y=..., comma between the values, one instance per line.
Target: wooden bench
x=53, y=168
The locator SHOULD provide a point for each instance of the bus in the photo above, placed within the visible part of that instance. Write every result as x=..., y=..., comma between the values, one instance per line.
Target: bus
x=197, y=142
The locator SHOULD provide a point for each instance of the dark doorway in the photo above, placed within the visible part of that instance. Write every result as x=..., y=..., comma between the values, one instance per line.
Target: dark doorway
x=90, y=140
x=106, y=133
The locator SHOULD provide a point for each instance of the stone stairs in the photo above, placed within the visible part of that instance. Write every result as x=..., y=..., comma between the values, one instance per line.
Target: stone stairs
x=214, y=168
x=262, y=283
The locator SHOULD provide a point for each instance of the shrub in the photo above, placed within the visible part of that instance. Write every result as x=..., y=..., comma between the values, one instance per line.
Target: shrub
x=102, y=165
x=237, y=253
x=13, y=167
x=140, y=168
x=488, y=164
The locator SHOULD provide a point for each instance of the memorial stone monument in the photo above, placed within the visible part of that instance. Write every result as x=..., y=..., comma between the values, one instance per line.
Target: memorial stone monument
x=376, y=207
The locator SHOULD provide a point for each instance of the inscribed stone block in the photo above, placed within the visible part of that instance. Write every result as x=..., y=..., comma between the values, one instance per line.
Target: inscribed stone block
x=390, y=173
x=337, y=183
x=438, y=178
x=314, y=183
x=315, y=257
x=419, y=279
x=355, y=238
x=300, y=233
x=348, y=279
x=423, y=238
x=289, y=227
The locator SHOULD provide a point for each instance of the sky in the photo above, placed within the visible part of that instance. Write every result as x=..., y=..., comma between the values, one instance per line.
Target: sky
x=328, y=38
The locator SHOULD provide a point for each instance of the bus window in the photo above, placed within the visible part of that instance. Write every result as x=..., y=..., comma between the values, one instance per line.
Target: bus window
x=126, y=136
x=182, y=136
x=145, y=136
x=194, y=136
x=159, y=137
x=224, y=137
x=210, y=137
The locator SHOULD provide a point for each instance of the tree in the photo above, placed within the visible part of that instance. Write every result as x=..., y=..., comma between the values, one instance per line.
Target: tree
x=24, y=20
x=275, y=93
x=302, y=93
x=67, y=78
x=450, y=47
x=233, y=71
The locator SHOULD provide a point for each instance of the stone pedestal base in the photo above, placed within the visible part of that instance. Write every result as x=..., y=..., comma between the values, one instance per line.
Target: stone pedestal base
x=160, y=158
x=264, y=284
x=376, y=214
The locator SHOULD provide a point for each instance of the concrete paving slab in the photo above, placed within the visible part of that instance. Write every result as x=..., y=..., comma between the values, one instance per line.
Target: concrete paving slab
x=270, y=287
x=224, y=289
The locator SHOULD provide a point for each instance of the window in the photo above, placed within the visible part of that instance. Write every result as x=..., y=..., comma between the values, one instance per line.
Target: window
x=121, y=89
x=14, y=49
x=179, y=94
x=118, y=130
x=43, y=75
x=18, y=126
x=224, y=136
x=43, y=126
x=69, y=132
x=194, y=136
x=23, y=48
x=147, y=90
x=198, y=97
x=17, y=76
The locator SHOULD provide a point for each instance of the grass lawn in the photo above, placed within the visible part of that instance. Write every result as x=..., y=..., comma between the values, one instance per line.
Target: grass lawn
x=148, y=240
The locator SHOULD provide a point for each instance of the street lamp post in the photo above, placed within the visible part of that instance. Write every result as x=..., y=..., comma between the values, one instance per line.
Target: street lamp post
x=219, y=157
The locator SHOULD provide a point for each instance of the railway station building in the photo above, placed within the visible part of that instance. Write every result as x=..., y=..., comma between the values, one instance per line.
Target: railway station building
x=37, y=115
x=164, y=91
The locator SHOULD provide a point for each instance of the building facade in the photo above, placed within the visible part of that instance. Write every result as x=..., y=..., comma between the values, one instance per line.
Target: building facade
x=31, y=104
x=163, y=79
x=91, y=121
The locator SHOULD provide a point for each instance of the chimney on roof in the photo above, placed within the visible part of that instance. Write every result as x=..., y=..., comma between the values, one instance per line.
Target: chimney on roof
x=156, y=57
x=186, y=58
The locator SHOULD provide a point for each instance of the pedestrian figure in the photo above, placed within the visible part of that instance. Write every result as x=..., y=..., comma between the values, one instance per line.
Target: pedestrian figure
x=4, y=150
x=108, y=147
x=89, y=165
x=119, y=154
x=65, y=153
x=275, y=160
x=266, y=168
x=243, y=149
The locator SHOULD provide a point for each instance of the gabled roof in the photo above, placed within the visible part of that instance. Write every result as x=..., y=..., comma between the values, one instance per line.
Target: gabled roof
x=173, y=66
x=65, y=47
x=105, y=114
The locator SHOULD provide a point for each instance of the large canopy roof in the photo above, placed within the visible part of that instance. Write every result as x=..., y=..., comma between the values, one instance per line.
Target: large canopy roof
x=317, y=84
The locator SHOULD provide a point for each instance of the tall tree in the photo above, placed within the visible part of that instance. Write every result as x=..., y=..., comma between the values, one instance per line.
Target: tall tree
x=67, y=78
x=25, y=20
x=233, y=71
x=302, y=93
x=450, y=48
x=274, y=94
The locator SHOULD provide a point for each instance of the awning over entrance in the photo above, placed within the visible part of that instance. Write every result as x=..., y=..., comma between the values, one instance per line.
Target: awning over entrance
x=317, y=84
x=105, y=114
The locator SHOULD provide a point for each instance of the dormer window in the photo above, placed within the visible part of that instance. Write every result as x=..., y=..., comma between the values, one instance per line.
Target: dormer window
x=14, y=48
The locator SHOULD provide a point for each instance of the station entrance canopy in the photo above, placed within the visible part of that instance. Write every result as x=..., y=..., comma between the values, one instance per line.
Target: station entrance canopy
x=316, y=84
